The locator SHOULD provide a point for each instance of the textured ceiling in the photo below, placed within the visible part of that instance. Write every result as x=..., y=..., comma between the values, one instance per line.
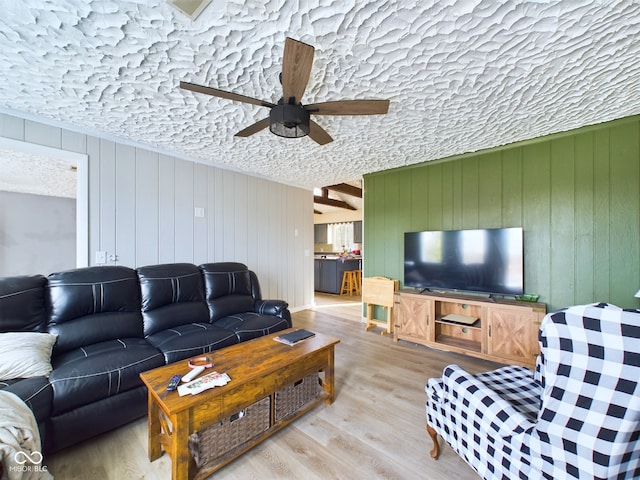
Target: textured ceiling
x=37, y=174
x=461, y=75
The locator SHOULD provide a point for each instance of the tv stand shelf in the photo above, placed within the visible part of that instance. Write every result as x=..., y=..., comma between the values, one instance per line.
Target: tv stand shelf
x=506, y=331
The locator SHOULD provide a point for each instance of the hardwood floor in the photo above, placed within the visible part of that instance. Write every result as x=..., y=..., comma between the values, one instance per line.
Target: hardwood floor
x=375, y=429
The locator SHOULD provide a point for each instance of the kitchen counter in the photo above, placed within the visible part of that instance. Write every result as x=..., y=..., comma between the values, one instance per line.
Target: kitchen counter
x=328, y=271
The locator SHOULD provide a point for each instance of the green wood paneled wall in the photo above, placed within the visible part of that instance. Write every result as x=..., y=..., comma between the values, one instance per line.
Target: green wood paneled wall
x=576, y=195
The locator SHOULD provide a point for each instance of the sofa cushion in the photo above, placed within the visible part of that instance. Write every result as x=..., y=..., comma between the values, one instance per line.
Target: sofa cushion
x=36, y=392
x=23, y=304
x=92, y=305
x=248, y=325
x=172, y=295
x=94, y=418
x=189, y=340
x=226, y=278
x=101, y=370
x=25, y=354
x=228, y=288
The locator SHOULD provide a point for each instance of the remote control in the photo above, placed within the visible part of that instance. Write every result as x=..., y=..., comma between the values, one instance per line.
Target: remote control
x=173, y=384
x=195, y=371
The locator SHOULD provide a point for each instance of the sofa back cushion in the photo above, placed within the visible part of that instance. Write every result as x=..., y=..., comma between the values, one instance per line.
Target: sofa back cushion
x=94, y=304
x=23, y=305
x=172, y=295
x=228, y=288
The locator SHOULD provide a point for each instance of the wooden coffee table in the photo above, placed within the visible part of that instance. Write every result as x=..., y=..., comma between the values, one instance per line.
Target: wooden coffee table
x=258, y=368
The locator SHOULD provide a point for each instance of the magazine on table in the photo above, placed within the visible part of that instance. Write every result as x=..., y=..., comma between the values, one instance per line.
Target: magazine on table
x=205, y=382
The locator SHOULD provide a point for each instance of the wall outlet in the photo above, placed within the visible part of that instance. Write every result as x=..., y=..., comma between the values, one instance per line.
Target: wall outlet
x=101, y=257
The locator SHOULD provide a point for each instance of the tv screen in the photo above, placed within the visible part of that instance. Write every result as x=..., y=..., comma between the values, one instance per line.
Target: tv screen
x=485, y=261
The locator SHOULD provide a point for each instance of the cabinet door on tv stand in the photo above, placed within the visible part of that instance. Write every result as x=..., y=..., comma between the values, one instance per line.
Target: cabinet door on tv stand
x=513, y=335
x=415, y=318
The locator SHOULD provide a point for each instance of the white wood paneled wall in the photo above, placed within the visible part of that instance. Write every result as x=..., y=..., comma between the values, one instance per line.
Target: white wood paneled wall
x=142, y=209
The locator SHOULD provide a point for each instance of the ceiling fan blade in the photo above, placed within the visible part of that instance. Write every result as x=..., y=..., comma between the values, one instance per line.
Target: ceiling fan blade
x=349, y=107
x=296, y=69
x=222, y=94
x=255, y=128
x=318, y=134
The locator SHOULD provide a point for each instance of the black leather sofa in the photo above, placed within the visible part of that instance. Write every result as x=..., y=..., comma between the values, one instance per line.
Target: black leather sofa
x=115, y=322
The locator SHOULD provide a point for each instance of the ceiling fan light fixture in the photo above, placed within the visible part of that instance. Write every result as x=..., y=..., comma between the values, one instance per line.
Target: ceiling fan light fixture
x=289, y=121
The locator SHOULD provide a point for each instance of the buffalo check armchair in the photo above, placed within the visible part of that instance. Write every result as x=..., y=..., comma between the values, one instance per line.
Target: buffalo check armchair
x=576, y=416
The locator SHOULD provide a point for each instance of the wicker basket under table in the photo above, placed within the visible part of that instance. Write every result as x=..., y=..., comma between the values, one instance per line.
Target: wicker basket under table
x=293, y=397
x=223, y=439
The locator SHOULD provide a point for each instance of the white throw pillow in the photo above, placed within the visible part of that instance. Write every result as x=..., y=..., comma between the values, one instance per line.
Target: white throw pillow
x=25, y=354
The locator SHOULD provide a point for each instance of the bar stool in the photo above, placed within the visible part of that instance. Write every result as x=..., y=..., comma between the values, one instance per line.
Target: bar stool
x=350, y=283
x=358, y=282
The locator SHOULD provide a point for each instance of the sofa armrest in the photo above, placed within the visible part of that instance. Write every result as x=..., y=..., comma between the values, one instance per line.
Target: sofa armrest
x=480, y=407
x=270, y=307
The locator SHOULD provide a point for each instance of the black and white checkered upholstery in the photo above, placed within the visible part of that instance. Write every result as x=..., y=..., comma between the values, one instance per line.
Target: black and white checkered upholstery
x=576, y=416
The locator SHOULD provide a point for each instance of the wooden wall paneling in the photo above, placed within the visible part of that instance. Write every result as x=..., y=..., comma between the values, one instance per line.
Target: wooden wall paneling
x=392, y=230
x=448, y=193
x=240, y=207
x=291, y=244
x=601, y=191
x=95, y=187
x=12, y=127
x=625, y=221
x=287, y=280
x=261, y=226
x=200, y=227
x=490, y=185
x=228, y=214
x=469, y=193
x=217, y=201
x=73, y=141
x=562, y=213
x=584, y=275
x=373, y=218
x=125, y=202
x=419, y=206
x=536, y=193
x=307, y=281
x=277, y=242
x=42, y=134
x=147, y=194
x=404, y=221
x=511, y=203
x=253, y=213
x=166, y=209
x=585, y=250
x=183, y=185
x=304, y=275
x=435, y=220
x=107, y=198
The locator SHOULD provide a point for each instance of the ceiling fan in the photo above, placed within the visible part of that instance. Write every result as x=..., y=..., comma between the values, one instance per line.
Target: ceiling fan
x=289, y=117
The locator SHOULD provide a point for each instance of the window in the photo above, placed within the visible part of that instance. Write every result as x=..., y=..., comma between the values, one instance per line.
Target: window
x=340, y=235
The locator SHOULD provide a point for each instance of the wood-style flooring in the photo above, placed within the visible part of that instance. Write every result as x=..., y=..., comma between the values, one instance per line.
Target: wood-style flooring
x=375, y=429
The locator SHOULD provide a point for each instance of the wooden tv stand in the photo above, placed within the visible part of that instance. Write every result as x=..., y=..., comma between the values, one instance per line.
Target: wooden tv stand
x=505, y=331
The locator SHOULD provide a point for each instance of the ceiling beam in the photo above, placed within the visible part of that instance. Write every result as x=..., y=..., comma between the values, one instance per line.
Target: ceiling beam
x=346, y=188
x=332, y=202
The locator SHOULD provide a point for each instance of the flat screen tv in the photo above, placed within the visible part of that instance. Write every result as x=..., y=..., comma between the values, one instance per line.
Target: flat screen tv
x=483, y=261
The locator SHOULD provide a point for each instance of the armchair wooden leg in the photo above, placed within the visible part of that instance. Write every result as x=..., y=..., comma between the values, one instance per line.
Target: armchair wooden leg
x=435, y=451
